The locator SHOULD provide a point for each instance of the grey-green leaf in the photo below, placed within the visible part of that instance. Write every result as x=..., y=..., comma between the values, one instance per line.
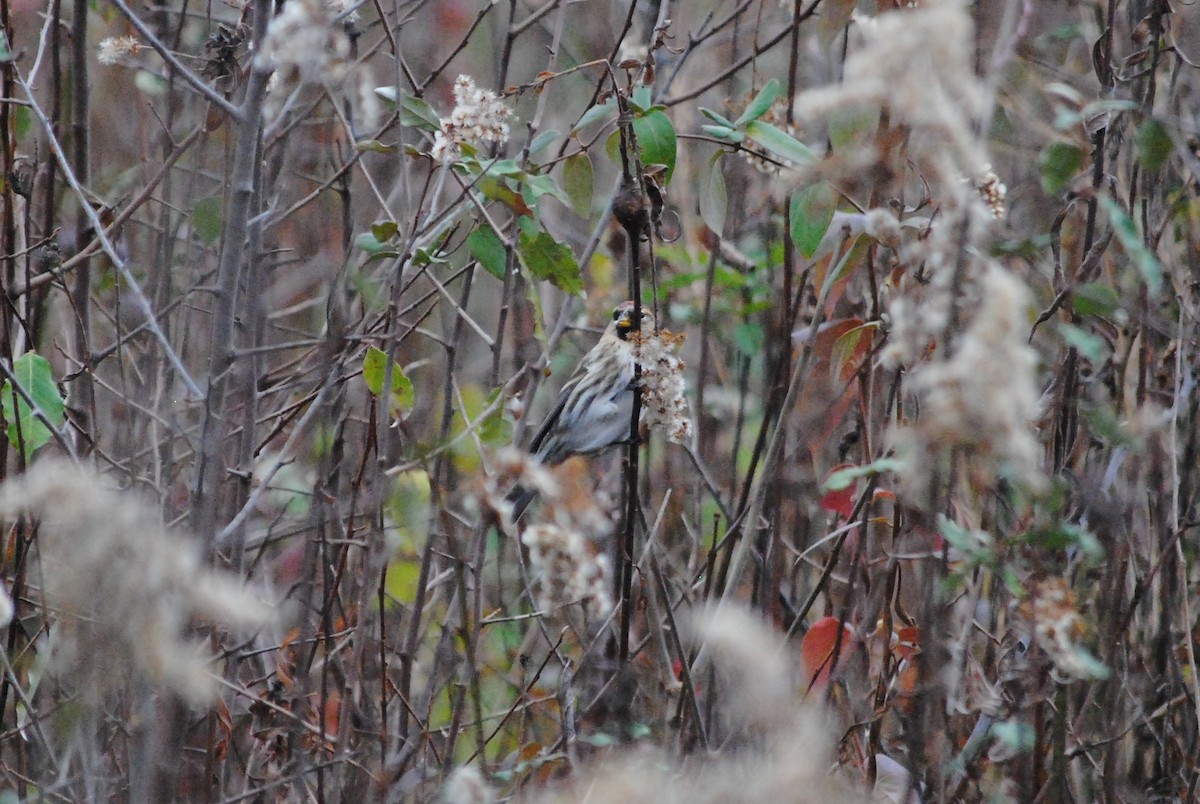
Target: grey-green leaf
x=577, y=175
x=713, y=200
x=811, y=212
x=780, y=143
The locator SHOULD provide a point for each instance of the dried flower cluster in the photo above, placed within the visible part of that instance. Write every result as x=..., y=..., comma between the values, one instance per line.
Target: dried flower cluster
x=992, y=191
x=478, y=117
x=1058, y=629
x=565, y=568
x=304, y=46
x=563, y=558
x=664, y=407
x=932, y=91
x=785, y=747
x=982, y=397
x=113, y=48
x=125, y=591
x=467, y=786
x=512, y=467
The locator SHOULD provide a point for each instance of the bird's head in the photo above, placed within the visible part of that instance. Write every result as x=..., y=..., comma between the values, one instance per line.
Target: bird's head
x=628, y=317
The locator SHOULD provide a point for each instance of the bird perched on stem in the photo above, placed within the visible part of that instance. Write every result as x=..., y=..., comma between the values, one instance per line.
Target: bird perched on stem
x=595, y=406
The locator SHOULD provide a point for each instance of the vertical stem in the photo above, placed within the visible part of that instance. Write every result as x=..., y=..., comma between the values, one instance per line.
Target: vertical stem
x=206, y=501
x=82, y=279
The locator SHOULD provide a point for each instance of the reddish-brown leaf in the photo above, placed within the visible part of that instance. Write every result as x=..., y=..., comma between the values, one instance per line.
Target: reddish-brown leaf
x=817, y=650
x=840, y=501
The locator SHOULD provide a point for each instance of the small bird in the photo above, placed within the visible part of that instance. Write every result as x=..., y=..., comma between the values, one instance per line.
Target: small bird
x=595, y=405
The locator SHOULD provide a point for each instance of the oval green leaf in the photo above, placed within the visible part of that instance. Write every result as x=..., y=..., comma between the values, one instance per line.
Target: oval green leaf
x=811, y=212
x=36, y=379
x=713, y=200
x=374, y=367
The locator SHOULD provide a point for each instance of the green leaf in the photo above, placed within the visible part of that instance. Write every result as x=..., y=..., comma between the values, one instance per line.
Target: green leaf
x=374, y=367
x=597, y=113
x=749, y=338
x=577, y=174
x=976, y=545
x=418, y=114
x=425, y=256
x=150, y=84
x=780, y=143
x=1058, y=164
x=713, y=200
x=538, y=186
x=495, y=429
x=503, y=167
x=34, y=376
x=385, y=231
x=387, y=95
x=642, y=98
x=811, y=212
x=1018, y=736
x=851, y=125
x=208, y=220
x=1154, y=144
x=1087, y=344
x=656, y=141
x=725, y=133
x=548, y=259
x=542, y=141
x=842, y=478
x=374, y=146
x=22, y=121
x=1142, y=258
x=487, y=247
x=368, y=243
x=761, y=104
x=716, y=118
x=1094, y=298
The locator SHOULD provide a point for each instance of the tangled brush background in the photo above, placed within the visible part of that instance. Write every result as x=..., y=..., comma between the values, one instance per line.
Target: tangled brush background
x=910, y=511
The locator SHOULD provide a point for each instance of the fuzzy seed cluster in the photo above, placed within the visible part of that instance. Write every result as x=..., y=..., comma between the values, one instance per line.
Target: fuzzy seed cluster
x=664, y=407
x=123, y=590
x=478, y=117
x=114, y=48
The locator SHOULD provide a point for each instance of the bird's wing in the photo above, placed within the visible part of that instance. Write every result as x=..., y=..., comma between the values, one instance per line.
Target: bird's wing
x=551, y=419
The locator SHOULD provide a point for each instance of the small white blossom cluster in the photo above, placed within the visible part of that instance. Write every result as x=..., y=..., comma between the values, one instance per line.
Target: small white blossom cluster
x=113, y=48
x=664, y=407
x=992, y=191
x=479, y=116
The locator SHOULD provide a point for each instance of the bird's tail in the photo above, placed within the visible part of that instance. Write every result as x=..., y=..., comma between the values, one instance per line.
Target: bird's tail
x=520, y=498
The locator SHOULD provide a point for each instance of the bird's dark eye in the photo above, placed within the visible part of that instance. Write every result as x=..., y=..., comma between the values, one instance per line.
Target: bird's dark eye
x=616, y=313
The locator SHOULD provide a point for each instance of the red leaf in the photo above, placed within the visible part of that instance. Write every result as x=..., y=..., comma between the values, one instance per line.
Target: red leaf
x=818, y=646
x=842, y=500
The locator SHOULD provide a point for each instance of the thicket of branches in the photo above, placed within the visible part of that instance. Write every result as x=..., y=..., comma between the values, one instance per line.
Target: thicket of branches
x=286, y=282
